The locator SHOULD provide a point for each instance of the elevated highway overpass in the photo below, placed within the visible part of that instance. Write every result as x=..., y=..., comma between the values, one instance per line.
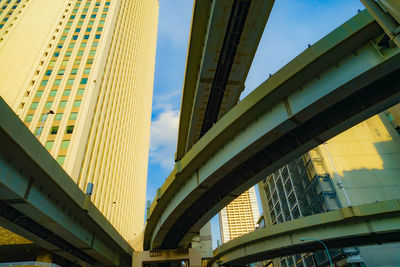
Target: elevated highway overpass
x=40, y=202
x=343, y=79
x=374, y=223
x=223, y=41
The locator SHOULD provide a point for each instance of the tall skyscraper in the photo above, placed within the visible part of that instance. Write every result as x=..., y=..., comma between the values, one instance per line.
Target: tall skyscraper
x=79, y=73
x=356, y=167
x=239, y=217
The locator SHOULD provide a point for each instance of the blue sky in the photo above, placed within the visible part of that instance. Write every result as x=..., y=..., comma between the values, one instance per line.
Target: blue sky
x=293, y=25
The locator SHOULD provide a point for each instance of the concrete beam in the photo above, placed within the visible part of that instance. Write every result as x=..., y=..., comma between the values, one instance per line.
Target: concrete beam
x=338, y=82
x=373, y=223
x=39, y=201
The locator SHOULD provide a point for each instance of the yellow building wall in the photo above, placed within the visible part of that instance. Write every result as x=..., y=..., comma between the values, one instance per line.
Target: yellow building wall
x=23, y=41
x=367, y=159
x=91, y=63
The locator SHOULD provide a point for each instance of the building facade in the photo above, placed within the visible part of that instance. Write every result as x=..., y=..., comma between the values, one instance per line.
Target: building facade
x=356, y=167
x=239, y=217
x=79, y=73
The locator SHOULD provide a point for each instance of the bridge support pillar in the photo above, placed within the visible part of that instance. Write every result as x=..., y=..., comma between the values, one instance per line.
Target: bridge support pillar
x=152, y=257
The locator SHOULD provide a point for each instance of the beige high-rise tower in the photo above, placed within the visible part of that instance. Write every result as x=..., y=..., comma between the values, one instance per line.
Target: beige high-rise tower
x=239, y=217
x=79, y=73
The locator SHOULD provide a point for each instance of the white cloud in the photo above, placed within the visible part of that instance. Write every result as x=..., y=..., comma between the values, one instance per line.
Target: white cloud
x=163, y=138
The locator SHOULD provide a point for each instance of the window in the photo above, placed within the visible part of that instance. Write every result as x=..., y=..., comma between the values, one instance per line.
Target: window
x=75, y=37
x=48, y=72
x=70, y=81
x=74, y=71
x=65, y=144
x=58, y=116
x=101, y=21
x=39, y=93
x=54, y=130
x=80, y=91
x=59, y=46
x=83, y=44
x=67, y=92
x=84, y=81
x=93, y=16
x=70, y=129
x=92, y=52
x=97, y=36
x=52, y=63
x=56, y=54
x=86, y=36
x=63, y=104
x=63, y=38
x=72, y=17
x=77, y=29
x=61, y=160
x=73, y=116
x=38, y=130
x=49, y=145
x=61, y=72
x=91, y=22
x=66, y=30
x=68, y=53
x=57, y=82
x=64, y=63
x=71, y=45
x=44, y=83
x=77, y=103
x=86, y=71
x=95, y=44
x=80, y=53
x=34, y=105
x=89, y=29
x=80, y=23
x=89, y=61
x=53, y=93
x=48, y=104
x=28, y=117
x=77, y=62
x=83, y=16
x=104, y=15
x=99, y=29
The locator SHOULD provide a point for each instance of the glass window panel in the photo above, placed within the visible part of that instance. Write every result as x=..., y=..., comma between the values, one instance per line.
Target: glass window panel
x=44, y=83
x=63, y=104
x=58, y=116
x=70, y=129
x=61, y=160
x=28, y=117
x=77, y=103
x=73, y=115
x=53, y=92
x=80, y=91
x=70, y=81
x=39, y=93
x=65, y=144
x=67, y=92
x=34, y=105
x=49, y=145
x=54, y=130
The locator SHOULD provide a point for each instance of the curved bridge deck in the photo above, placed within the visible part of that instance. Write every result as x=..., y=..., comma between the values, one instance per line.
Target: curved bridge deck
x=373, y=223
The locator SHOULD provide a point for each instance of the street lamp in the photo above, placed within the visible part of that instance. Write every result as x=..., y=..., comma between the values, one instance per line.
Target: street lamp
x=44, y=119
x=326, y=248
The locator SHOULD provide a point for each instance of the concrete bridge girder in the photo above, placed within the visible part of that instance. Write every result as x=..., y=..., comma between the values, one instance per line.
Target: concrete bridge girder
x=372, y=223
x=334, y=69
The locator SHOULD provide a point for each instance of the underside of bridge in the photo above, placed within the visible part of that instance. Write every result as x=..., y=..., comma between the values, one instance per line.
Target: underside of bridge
x=338, y=82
